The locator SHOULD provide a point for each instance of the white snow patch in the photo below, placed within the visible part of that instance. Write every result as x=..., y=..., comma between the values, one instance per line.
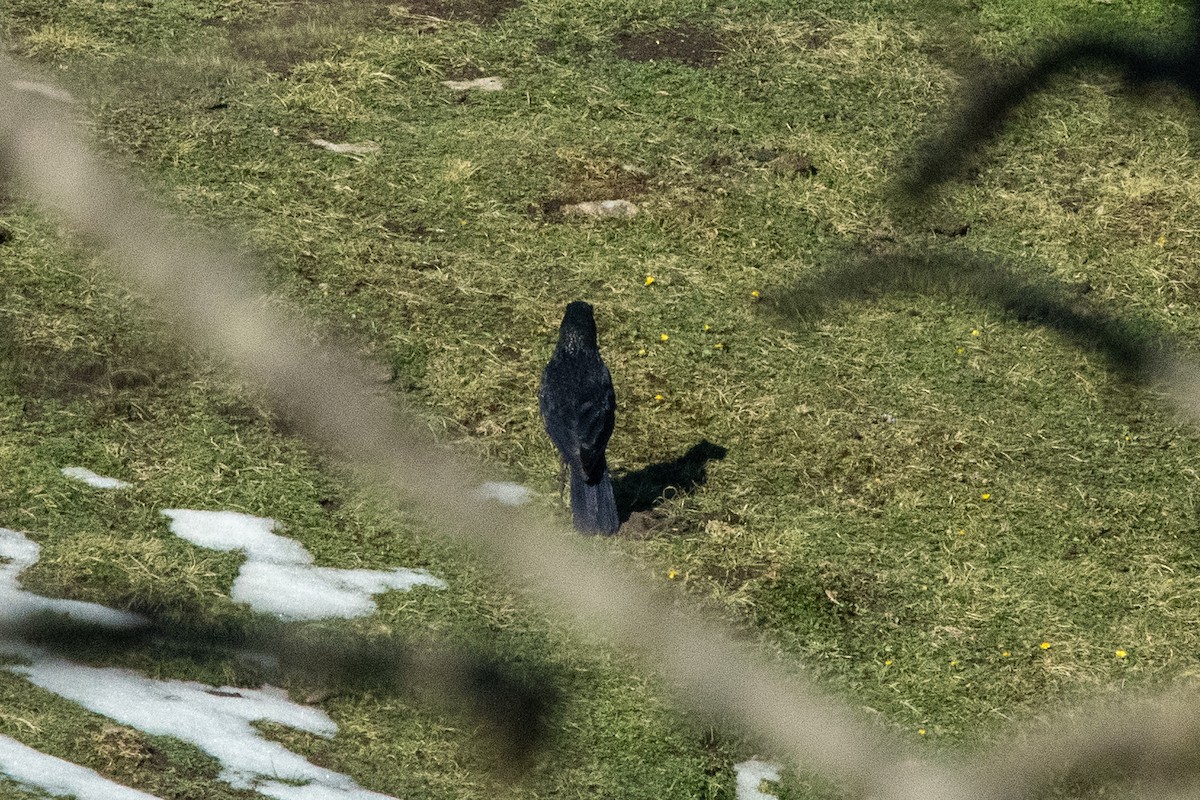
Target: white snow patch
x=216, y=720
x=751, y=774
x=16, y=604
x=92, y=479
x=505, y=493
x=491, y=84
x=44, y=89
x=279, y=577
x=350, y=148
x=307, y=592
x=60, y=778
x=232, y=530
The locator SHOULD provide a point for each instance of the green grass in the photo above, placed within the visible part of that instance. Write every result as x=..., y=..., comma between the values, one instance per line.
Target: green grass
x=859, y=546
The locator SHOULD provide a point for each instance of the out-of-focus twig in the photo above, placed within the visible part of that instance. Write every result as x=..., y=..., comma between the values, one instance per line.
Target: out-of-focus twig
x=1153, y=741
x=331, y=399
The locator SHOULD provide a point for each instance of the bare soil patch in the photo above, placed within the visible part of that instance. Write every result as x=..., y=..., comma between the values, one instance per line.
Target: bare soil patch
x=690, y=44
x=484, y=12
x=595, y=183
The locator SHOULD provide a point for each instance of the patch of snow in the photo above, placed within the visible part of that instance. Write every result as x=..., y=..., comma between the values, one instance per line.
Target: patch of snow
x=505, y=493
x=354, y=149
x=92, y=479
x=216, y=720
x=307, y=592
x=312, y=791
x=751, y=774
x=491, y=84
x=232, y=530
x=16, y=604
x=279, y=577
x=44, y=89
x=60, y=778
x=605, y=209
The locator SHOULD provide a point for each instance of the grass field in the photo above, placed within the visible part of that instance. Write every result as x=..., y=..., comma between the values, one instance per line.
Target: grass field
x=954, y=518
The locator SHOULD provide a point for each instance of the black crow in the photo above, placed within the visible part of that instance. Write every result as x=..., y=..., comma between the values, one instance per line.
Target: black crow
x=579, y=408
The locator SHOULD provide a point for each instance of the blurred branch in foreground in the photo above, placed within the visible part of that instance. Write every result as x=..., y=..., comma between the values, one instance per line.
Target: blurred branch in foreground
x=333, y=401
x=330, y=397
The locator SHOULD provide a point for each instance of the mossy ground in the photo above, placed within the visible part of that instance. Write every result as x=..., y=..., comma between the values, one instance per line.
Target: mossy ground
x=918, y=489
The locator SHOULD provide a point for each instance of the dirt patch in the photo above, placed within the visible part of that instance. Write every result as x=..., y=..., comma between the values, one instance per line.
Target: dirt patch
x=127, y=751
x=690, y=44
x=646, y=525
x=951, y=229
x=594, y=183
x=463, y=72
x=817, y=39
x=794, y=164
x=780, y=162
x=855, y=593
x=484, y=12
x=715, y=162
x=1145, y=217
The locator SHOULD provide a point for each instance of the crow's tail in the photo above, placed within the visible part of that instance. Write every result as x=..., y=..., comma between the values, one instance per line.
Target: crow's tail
x=593, y=506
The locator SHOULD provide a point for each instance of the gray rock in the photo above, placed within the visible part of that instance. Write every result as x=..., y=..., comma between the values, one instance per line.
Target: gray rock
x=481, y=84
x=603, y=209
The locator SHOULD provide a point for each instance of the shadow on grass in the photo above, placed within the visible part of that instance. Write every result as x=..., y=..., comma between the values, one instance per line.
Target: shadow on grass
x=645, y=488
x=992, y=96
x=1133, y=349
x=513, y=704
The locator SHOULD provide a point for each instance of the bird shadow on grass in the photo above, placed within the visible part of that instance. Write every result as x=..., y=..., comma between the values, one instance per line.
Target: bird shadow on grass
x=641, y=490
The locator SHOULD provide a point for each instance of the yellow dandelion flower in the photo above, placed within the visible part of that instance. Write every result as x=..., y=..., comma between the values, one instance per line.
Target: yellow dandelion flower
x=707, y=328
x=672, y=574
x=658, y=398
x=887, y=663
x=954, y=662
x=649, y=279
x=920, y=731
x=662, y=337
x=1121, y=654
x=1162, y=241
x=1044, y=645
x=1006, y=654
x=719, y=346
x=641, y=351
x=985, y=497
x=961, y=532
x=975, y=332
x=755, y=294
x=960, y=350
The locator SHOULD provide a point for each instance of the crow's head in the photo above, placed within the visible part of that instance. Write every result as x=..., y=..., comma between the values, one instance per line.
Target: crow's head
x=578, y=330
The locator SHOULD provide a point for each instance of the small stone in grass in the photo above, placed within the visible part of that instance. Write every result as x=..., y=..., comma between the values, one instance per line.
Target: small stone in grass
x=354, y=149
x=603, y=209
x=491, y=84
